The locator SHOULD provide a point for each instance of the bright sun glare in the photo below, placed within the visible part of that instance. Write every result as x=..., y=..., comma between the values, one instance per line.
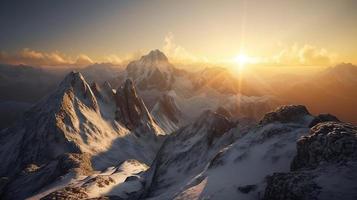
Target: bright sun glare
x=241, y=59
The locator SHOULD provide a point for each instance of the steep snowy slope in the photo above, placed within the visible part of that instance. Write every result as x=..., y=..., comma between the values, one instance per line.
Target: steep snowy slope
x=203, y=161
x=75, y=119
x=186, y=152
x=168, y=114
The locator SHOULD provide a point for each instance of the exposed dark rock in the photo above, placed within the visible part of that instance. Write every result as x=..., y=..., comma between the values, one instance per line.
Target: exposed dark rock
x=327, y=142
x=67, y=193
x=291, y=186
x=325, y=158
x=27, y=184
x=3, y=182
x=109, y=198
x=96, y=89
x=131, y=110
x=216, y=124
x=168, y=107
x=285, y=114
x=224, y=112
x=247, y=188
x=131, y=178
x=323, y=118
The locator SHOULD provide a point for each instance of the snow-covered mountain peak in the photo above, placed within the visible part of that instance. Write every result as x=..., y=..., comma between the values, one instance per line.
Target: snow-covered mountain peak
x=73, y=79
x=151, y=71
x=155, y=56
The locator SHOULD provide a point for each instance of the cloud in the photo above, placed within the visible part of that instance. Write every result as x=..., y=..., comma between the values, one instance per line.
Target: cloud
x=304, y=55
x=28, y=56
x=112, y=58
x=83, y=59
x=177, y=53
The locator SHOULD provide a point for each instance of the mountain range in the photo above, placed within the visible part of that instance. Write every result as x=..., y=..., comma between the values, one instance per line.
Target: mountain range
x=157, y=132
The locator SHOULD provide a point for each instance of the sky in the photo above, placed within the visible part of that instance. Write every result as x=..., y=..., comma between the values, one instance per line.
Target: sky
x=269, y=32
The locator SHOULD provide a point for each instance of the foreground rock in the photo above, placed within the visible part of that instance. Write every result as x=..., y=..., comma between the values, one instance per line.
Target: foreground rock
x=324, y=168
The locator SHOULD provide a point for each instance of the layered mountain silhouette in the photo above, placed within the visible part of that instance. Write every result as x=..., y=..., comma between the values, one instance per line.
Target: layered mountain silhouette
x=194, y=141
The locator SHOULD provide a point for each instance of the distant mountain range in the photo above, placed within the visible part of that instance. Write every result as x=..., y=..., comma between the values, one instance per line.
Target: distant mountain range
x=157, y=132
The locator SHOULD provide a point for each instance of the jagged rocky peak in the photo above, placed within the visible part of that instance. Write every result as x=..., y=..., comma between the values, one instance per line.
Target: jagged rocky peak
x=95, y=89
x=327, y=142
x=216, y=124
x=286, y=114
x=155, y=56
x=104, y=92
x=74, y=79
x=73, y=85
x=151, y=71
x=131, y=110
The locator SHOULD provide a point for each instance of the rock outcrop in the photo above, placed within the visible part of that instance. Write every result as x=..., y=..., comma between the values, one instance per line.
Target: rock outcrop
x=324, y=167
x=131, y=110
x=323, y=118
x=286, y=114
x=328, y=142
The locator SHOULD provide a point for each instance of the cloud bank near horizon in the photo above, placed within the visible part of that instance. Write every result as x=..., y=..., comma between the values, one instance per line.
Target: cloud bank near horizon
x=294, y=55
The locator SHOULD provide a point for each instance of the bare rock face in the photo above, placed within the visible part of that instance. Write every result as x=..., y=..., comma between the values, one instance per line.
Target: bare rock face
x=291, y=186
x=286, y=114
x=75, y=83
x=323, y=118
x=327, y=142
x=324, y=168
x=31, y=181
x=104, y=92
x=131, y=110
x=215, y=124
x=169, y=108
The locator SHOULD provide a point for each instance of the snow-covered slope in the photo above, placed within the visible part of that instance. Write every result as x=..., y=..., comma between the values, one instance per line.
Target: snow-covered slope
x=186, y=152
x=168, y=114
x=214, y=161
x=116, y=181
x=76, y=119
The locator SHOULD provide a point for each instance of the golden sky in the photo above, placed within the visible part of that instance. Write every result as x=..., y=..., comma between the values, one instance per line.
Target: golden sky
x=264, y=32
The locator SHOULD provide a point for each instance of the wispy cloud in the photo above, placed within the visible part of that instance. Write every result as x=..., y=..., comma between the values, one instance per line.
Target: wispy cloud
x=303, y=55
x=37, y=58
x=178, y=53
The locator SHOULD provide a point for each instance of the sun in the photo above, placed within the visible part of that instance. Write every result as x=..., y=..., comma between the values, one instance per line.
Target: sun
x=241, y=59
